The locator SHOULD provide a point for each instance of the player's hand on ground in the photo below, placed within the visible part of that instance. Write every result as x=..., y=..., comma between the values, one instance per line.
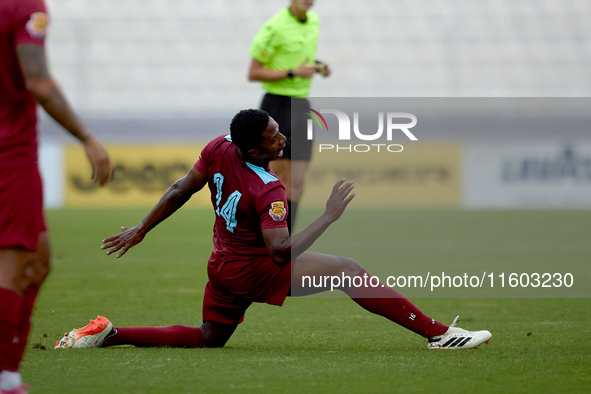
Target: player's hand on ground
x=304, y=70
x=340, y=197
x=128, y=238
x=99, y=158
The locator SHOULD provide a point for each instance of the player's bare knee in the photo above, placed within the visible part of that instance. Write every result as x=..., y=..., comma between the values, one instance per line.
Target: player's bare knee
x=14, y=270
x=23, y=280
x=216, y=335
x=350, y=267
x=39, y=267
x=41, y=272
x=217, y=343
x=19, y=284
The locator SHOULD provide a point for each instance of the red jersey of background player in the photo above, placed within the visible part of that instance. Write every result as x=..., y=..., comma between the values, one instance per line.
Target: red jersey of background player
x=246, y=199
x=21, y=22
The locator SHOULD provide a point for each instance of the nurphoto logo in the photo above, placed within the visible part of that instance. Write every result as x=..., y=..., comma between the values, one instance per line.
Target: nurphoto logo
x=344, y=130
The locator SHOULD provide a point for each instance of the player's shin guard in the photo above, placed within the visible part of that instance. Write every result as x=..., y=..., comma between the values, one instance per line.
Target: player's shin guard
x=387, y=302
x=9, y=338
x=172, y=336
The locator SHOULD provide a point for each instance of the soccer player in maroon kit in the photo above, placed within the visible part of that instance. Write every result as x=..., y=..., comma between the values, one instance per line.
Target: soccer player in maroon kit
x=24, y=243
x=254, y=258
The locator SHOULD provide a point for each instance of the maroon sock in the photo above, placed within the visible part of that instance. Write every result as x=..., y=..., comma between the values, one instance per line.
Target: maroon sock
x=24, y=325
x=172, y=336
x=9, y=338
x=387, y=302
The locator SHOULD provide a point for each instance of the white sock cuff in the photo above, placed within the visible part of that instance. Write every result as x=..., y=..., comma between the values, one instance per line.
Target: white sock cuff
x=10, y=381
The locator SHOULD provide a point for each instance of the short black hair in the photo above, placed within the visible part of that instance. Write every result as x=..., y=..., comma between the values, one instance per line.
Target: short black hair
x=247, y=128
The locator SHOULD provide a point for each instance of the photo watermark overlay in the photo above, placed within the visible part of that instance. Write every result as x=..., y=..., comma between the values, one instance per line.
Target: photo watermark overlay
x=455, y=197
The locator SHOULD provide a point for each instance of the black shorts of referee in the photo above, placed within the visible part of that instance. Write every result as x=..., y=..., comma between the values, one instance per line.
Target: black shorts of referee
x=292, y=126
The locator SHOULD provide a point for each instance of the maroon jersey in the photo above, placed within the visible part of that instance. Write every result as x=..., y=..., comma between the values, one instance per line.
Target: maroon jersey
x=21, y=22
x=246, y=199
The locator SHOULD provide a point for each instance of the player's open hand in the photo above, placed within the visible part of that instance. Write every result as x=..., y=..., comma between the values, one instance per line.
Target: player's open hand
x=99, y=159
x=128, y=238
x=340, y=197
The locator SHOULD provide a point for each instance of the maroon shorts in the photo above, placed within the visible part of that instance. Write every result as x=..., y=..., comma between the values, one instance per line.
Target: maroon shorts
x=21, y=206
x=233, y=287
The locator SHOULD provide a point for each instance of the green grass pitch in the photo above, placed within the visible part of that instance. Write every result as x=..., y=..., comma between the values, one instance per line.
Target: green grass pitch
x=309, y=345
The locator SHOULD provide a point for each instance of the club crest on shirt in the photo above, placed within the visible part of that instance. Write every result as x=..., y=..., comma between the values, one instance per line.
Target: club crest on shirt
x=37, y=24
x=278, y=211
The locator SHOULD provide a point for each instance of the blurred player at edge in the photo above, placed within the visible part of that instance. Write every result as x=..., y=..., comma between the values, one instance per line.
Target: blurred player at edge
x=24, y=243
x=254, y=258
x=283, y=54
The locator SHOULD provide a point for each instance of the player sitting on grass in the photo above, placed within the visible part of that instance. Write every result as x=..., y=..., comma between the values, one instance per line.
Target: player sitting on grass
x=254, y=258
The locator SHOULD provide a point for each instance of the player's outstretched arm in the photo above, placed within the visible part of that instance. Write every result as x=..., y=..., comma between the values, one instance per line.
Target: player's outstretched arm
x=39, y=82
x=283, y=249
x=175, y=196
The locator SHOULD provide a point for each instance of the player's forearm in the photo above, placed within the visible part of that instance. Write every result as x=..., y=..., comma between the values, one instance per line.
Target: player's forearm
x=169, y=203
x=283, y=249
x=303, y=240
x=175, y=197
x=50, y=97
x=265, y=75
x=294, y=246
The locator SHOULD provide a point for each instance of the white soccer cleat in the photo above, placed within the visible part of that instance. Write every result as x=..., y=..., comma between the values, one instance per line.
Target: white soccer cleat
x=458, y=338
x=92, y=335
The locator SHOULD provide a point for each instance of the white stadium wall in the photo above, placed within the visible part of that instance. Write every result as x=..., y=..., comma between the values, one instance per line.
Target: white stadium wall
x=191, y=56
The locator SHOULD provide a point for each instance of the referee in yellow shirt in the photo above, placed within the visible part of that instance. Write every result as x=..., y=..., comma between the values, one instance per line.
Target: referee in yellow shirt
x=283, y=59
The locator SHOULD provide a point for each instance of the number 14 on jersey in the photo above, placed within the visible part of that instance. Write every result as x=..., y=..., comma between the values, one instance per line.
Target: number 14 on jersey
x=228, y=210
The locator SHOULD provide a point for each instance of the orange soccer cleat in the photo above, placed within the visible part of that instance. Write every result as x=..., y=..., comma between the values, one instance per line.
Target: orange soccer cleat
x=92, y=335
